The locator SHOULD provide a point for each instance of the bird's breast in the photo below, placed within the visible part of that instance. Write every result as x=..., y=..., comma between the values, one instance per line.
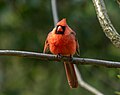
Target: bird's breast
x=62, y=44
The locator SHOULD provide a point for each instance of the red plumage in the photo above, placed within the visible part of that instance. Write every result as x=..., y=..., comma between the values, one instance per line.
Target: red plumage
x=62, y=40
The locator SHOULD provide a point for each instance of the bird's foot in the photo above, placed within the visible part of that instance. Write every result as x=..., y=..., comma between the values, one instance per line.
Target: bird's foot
x=59, y=56
x=71, y=58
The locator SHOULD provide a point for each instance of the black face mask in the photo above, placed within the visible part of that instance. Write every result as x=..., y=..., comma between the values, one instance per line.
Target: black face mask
x=60, y=32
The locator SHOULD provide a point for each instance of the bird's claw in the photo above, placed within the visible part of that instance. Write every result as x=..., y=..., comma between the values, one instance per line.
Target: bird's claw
x=59, y=56
x=71, y=58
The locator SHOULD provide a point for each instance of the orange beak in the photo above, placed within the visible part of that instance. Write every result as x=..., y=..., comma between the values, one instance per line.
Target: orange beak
x=60, y=29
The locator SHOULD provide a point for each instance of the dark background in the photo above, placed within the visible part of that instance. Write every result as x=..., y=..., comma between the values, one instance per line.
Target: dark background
x=24, y=25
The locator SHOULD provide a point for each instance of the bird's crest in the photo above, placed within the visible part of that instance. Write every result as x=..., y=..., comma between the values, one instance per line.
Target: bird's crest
x=62, y=22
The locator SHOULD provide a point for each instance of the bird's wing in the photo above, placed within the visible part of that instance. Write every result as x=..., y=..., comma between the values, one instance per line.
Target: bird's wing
x=77, y=48
x=77, y=44
x=46, y=46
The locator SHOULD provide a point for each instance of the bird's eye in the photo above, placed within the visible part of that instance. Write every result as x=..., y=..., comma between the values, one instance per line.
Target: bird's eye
x=63, y=27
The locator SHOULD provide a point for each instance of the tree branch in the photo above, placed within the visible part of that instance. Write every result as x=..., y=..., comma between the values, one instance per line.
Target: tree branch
x=50, y=57
x=118, y=1
x=86, y=85
x=105, y=22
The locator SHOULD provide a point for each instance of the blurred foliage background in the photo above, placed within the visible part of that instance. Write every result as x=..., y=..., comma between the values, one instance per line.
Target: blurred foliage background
x=24, y=25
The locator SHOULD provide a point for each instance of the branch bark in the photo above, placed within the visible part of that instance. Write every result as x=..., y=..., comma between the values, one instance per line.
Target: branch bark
x=118, y=1
x=50, y=57
x=105, y=22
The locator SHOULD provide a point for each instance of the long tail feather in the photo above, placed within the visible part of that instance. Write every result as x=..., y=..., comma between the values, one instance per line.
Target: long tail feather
x=71, y=75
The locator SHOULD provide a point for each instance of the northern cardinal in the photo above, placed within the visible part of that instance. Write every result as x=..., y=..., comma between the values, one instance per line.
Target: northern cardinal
x=62, y=41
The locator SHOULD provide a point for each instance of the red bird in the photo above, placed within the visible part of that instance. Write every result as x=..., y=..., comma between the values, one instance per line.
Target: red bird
x=62, y=41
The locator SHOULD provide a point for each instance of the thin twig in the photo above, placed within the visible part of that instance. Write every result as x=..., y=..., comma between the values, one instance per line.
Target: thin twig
x=86, y=85
x=105, y=22
x=50, y=57
x=54, y=11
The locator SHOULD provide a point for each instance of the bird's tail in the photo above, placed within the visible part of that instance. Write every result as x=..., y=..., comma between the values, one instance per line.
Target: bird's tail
x=71, y=74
